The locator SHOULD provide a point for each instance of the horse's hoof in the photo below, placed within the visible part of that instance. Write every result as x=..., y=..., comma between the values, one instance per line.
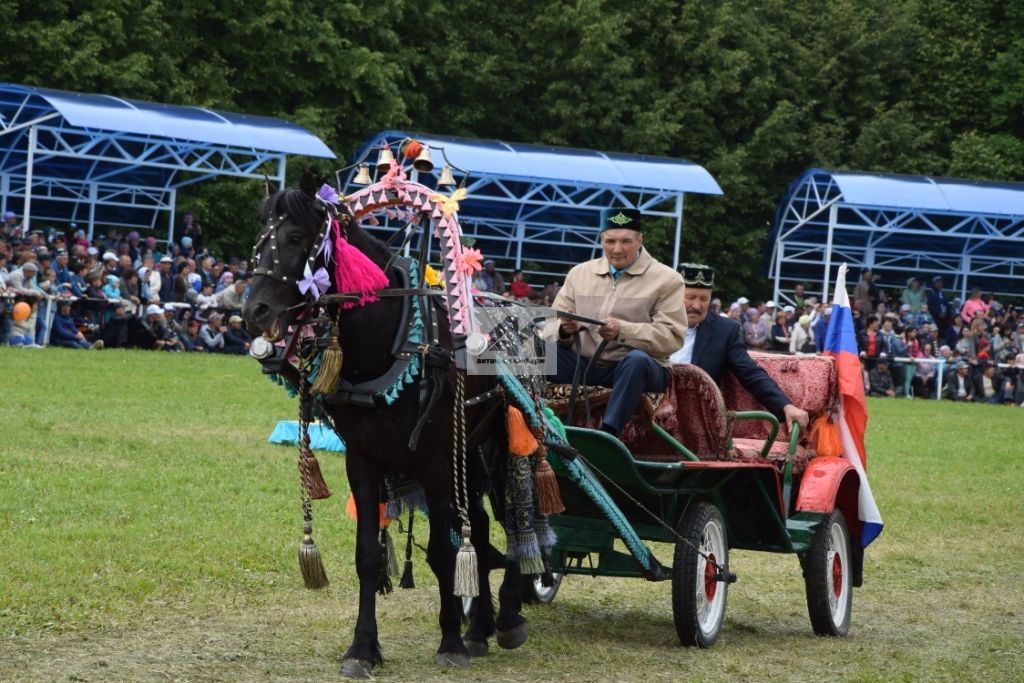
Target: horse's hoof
x=512, y=638
x=459, y=660
x=356, y=668
x=476, y=648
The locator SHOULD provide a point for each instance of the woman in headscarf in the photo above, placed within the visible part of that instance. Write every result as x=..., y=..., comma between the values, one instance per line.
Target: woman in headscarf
x=913, y=295
x=755, y=332
x=227, y=278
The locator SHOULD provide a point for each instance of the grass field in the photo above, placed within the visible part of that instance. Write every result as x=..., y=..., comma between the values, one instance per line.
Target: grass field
x=148, y=532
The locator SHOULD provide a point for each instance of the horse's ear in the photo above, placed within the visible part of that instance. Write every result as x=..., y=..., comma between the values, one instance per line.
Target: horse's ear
x=269, y=186
x=308, y=183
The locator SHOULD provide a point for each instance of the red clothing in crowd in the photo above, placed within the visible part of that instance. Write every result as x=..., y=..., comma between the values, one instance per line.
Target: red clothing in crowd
x=520, y=289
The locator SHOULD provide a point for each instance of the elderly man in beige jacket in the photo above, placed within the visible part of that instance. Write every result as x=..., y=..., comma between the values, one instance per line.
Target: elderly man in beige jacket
x=640, y=304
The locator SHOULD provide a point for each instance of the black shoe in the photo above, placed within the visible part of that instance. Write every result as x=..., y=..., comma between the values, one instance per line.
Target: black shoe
x=608, y=429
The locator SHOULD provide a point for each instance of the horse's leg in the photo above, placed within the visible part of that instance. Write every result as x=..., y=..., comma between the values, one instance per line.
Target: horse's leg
x=364, y=653
x=481, y=615
x=441, y=557
x=511, y=624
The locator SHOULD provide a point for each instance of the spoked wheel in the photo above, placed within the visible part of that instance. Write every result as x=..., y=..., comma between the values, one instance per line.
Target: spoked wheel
x=698, y=599
x=827, y=576
x=535, y=592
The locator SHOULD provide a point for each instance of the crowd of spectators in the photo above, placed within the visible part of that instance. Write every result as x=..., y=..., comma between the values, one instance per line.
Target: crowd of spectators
x=118, y=291
x=902, y=334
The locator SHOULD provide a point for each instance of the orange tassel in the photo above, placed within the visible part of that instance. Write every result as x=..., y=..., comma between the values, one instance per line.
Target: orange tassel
x=521, y=440
x=350, y=510
x=825, y=435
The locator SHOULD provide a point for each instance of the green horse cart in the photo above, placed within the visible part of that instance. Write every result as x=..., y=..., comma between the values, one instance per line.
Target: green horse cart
x=681, y=475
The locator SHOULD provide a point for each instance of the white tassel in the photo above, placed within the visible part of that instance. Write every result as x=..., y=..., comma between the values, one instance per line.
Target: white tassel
x=467, y=579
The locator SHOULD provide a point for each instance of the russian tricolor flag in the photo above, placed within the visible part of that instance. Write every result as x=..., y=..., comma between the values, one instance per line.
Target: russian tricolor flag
x=841, y=342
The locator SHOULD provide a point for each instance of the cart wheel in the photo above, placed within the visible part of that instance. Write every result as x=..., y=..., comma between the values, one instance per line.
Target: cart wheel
x=534, y=592
x=827, y=575
x=698, y=600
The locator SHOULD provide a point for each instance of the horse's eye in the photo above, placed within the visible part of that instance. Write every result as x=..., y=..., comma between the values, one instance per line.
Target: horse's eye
x=294, y=238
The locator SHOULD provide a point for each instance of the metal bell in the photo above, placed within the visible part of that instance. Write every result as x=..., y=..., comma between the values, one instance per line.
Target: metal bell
x=423, y=162
x=385, y=159
x=446, y=179
x=363, y=176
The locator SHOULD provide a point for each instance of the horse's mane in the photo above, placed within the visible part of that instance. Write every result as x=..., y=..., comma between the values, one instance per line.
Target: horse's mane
x=294, y=202
x=304, y=210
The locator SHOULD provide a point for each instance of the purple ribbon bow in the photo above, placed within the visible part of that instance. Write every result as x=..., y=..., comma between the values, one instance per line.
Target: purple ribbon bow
x=328, y=194
x=317, y=283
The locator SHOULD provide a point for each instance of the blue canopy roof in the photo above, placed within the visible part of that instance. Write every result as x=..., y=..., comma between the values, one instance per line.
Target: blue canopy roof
x=99, y=159
x=971, y=232
x=538, y=207
x=931, y=194
x=106, y=112
x=564, y=164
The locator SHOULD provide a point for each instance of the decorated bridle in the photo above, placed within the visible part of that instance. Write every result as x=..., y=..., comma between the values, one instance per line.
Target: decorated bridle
x=312, y=285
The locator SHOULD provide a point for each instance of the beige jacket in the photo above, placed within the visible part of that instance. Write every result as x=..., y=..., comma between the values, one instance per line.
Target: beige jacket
x=648, y=299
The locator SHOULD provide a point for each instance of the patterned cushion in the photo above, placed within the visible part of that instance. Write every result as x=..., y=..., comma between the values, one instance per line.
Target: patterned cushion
x=699, y=415
x=691, y=410
x=557, y=397
x=809, y=382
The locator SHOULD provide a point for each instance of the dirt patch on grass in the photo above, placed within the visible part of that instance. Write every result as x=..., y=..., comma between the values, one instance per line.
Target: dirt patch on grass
x=228, y=647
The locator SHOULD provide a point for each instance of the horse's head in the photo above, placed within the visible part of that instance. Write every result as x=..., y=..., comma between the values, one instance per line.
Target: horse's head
x=293, y=222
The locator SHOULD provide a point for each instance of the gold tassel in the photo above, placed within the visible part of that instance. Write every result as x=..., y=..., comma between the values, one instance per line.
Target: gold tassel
x=467, y=581
x=331, y=361
x=521, y=440
x=312, y=478
x=549, y=498
x=312, y=565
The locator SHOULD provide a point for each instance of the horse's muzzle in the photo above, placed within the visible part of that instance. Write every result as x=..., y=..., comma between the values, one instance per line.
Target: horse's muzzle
x=260, y=319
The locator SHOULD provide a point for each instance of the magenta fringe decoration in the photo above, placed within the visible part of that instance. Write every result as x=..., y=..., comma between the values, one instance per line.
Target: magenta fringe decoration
x=355, y=273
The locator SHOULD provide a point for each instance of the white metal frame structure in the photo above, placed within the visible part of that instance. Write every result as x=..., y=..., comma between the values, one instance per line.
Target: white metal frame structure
x=969, y=232
x=98, y=160
x=538, y=208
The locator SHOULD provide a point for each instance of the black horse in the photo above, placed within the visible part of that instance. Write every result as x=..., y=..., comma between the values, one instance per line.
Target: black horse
x=377, y=438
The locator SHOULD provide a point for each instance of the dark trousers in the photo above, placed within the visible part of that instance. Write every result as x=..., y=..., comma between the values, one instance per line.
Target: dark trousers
x=6, y=326
x=70, y=343
x=628, y=379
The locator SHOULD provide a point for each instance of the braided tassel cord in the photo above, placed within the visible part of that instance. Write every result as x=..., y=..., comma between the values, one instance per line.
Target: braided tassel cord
x=467, y=580
x=311, y=563
x=407, y=578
